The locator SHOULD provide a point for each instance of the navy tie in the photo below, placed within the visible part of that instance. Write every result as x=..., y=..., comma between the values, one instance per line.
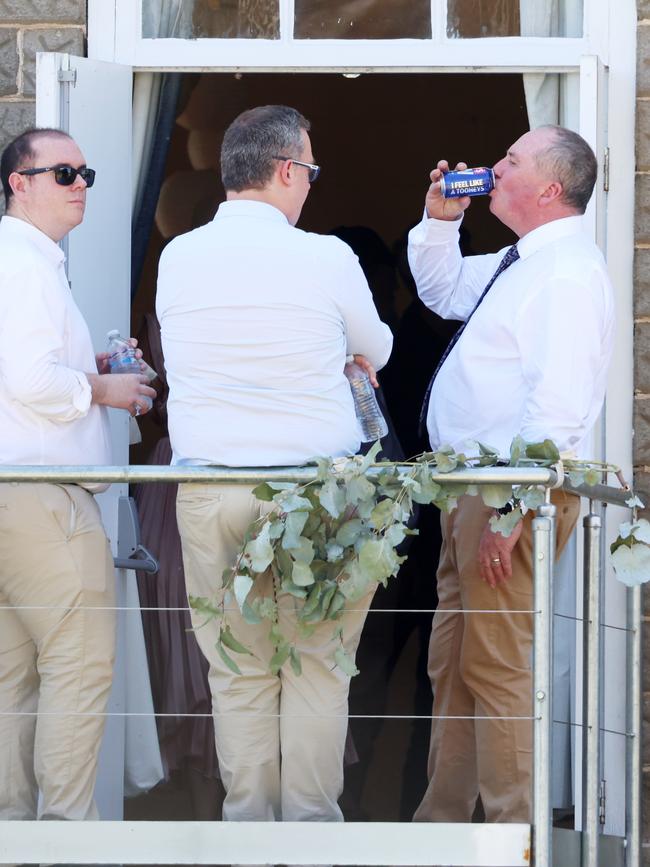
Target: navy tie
x=511, y=256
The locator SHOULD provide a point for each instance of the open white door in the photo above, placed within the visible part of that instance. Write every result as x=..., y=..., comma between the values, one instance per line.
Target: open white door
x=92, y=101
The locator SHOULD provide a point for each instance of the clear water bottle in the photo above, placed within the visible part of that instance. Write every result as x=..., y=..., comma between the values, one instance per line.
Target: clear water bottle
x=372, y=422
x=122, y=358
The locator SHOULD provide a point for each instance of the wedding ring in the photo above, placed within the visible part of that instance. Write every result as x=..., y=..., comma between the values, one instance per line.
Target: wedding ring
x=496, y=559
x=136, y=411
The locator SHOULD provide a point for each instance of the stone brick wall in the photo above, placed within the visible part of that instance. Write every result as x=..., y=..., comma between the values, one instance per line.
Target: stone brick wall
x=28, y=26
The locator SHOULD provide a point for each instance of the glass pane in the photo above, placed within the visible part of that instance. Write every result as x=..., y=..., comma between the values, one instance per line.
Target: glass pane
x=468, y=19
x=363, y=19
x=246, y=19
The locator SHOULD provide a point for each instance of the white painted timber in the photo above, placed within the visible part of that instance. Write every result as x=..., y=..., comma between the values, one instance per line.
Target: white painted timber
x=381, y=843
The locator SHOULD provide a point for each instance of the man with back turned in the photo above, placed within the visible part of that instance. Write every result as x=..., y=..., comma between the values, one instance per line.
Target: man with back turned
x=530, y=359
x=257, y=318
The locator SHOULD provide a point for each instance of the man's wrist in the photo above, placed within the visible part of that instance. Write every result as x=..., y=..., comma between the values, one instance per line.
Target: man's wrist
x=97, y=383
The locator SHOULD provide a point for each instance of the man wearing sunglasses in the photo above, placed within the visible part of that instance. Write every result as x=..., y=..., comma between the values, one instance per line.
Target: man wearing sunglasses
x=257, y=318
x=56, y=652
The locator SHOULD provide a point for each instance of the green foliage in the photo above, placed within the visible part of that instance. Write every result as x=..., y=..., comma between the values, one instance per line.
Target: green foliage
x=328, y=542
x=496, y=495
x=545, y=453
x=345, y=662
x=259, y=551
x=505, y=524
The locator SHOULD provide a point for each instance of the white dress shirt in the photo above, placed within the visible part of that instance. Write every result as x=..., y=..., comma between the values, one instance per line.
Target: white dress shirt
x=533, y=359
x=46, y=415
x=257, y=318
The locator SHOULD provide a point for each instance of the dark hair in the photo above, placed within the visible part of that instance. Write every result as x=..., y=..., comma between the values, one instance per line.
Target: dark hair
x=20, y=152
x=569, y=160
x=253, y=139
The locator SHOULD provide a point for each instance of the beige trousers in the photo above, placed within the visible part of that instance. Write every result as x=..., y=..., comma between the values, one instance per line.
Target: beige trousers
x=56, y=660
x=480, y=665
x=279, y=738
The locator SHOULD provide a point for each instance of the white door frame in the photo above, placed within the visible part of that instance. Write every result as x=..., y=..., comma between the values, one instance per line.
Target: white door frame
x=609, y=40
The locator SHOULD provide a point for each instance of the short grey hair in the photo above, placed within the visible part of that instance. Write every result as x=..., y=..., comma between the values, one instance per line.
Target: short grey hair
x=569, y=160
x=253, y=139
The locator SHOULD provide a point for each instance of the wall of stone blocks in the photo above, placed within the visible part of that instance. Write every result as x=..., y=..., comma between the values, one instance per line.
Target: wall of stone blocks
x=28, y=26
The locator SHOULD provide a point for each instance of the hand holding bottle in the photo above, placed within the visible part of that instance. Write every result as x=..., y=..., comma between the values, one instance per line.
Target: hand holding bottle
x=124, y=358
x=371, y=421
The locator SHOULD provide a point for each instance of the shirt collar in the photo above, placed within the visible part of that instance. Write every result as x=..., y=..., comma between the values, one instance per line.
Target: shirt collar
x=17, y=228
x=250, y=208
x=549, y=232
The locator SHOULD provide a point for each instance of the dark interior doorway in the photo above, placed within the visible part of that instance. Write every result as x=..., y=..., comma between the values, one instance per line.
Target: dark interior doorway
x=376, y=137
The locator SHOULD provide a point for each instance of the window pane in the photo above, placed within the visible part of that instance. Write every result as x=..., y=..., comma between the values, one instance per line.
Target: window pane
x=468, y=19
x=246, y=19
x=363, y=19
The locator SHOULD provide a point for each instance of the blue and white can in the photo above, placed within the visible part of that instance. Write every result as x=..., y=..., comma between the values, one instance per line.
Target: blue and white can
x=468, y=182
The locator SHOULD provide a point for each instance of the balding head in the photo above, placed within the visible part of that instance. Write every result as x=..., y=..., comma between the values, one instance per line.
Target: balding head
x=21, y=153
x=568, y=159
x=546, y=175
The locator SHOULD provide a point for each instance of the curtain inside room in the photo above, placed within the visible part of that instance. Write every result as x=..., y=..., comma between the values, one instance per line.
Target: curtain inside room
x=167, y=18
x=155, y=96
x=225, y=19
x=547, y=18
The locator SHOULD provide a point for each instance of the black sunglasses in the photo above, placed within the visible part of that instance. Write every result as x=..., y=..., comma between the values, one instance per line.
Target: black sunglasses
x=312, y=170
x=65, y=175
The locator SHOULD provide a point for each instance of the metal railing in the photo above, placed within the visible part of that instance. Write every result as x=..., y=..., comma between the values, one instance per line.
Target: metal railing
x=44, y=838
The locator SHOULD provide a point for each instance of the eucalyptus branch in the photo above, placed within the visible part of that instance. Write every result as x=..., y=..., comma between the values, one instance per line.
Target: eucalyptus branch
x=331, y=540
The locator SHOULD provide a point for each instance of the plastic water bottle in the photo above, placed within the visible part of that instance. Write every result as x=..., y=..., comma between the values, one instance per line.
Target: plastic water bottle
x=372, y=422
x=122, y=358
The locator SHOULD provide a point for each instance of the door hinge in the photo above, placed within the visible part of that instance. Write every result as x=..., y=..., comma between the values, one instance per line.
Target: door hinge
x=606, y=170
x=602, y=803
x=68, y=76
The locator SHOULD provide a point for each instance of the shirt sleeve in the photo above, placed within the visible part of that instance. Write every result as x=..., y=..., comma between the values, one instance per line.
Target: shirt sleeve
x=31, y=351
x=365, y=333
x=561, y=340
x=447, y=283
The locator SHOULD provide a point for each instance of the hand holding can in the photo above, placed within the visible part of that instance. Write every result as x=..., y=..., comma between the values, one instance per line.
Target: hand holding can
x=437, y=206
x=467, y=182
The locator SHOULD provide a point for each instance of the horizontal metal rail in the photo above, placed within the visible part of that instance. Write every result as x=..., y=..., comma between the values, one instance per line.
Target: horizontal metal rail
x=544, y=476
x=600, y=493
x=254, y=475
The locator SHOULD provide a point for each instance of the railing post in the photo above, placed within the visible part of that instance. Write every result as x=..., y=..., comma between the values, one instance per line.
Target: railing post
x=591, y=643
x=543, y=557
x=633, y=745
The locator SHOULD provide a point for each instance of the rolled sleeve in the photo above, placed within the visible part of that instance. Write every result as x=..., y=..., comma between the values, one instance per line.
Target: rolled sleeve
x=32, y=352
x=447, y=283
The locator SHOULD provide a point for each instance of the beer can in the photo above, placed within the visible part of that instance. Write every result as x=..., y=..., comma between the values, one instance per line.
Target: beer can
x=468, y=182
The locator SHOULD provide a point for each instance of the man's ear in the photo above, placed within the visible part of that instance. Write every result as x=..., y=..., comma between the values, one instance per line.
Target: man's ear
x=18, y=183
x=552, y=194
x=285, y=172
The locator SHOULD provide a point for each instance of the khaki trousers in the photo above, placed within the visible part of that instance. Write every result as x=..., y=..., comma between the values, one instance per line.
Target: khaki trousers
x=279, y=738
x=56, y=661
x=480, y=665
